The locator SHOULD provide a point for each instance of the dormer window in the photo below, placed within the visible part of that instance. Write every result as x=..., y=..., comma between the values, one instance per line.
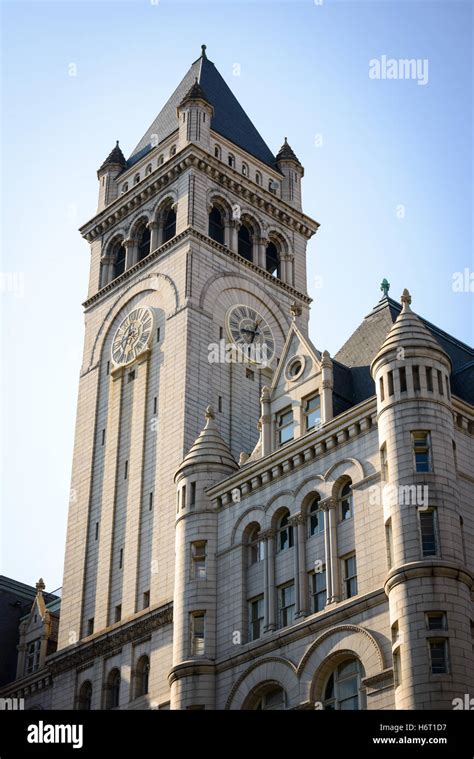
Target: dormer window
x=285, y=426
x=33, y=656
x=312, y=412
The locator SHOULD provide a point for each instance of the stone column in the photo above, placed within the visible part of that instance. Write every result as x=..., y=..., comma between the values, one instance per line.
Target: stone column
x=153, y=226
x=261, y=252
x=333, y=550
x=269, y=575
x=234, y=227
x=131, y=247
x=297, y=522
x=327, y=551
x=327, y=386
x=266, y=421
x=284, y=269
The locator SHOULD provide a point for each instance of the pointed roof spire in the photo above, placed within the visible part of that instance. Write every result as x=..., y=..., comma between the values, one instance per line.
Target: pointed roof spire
x=196, y=92
x=286, y=153
x=209, y=447
x=408, y=332
x=115, y=158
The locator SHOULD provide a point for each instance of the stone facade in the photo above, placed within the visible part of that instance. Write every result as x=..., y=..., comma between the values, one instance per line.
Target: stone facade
x=258, y=562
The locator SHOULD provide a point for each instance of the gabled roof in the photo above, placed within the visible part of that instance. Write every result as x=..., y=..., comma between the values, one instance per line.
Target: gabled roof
x=229, y=119
x=287, y=352
x=360, y=349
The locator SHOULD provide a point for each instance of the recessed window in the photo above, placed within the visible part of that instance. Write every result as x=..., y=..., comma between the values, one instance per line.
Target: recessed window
x=216, y=225
x=416, y=378
x=150, y=501
x=428, y=530
x=245, y=170
x=440, y=383
x=142, y=676
x=249, y=374
x=33, y=656
x=285, y=533
x=256, y=618
x=312, y=412
x=131, y=376
x=286, y=604
x=121, y=558
x=318, y=590
x=382, y=393
x=389, y=542
x=96, y=530
x=136, y=179
x=90, y=626
x=350, y=576
x=429, y=378
x=403, y=379
x=85, y=697
x=148, y=169
x=343, y=687
x=192, y=496
x=384, y=462
x=161, y=160
x=231, y=160
x=285, y=426
x=438, y=656
x=390, y=382
x=346, y=501
x=113, y=689
x=197, y=625
x=146, y=599
x=103, y=437
x=274, y=699
x=421, y=451
x=258, y=178
x=118, y=612
x=108, y=368
x=125, y=187
x=217, y=152
x=125, y=472
x=435, y=620
x=294, y=368
x=173, y=150
x=198, y=560
x=256, y=546
x=219, y=403
x=316, y=518
x=183, y=497
x=155, y=404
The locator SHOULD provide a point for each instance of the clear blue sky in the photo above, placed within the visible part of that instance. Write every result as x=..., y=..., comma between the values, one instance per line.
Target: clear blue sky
x=304, y=72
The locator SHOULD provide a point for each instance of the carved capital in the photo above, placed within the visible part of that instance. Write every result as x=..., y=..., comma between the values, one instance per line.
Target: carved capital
x=327, y=384
x=327, y=504
x=153, y=224
x=129, y=242
x=296, y=519
x=268, y=534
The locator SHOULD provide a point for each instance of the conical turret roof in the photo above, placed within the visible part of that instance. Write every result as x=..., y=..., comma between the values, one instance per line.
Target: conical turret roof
x=115, y=157
x=286, y=153
x=209, y=447
x=195, y=93
x=408, y=331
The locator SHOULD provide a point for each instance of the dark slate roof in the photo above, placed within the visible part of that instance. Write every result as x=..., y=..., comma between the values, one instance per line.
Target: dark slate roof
x=360, y=349
x=286, y=153
x=195, y=93
x=115, y=157
x=229, y=119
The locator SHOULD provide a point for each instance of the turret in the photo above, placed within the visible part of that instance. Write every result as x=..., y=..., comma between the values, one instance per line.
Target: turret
x=192, y=677
x=107, y=174
x=428, y=583
x=194, y=117
x=293, y=172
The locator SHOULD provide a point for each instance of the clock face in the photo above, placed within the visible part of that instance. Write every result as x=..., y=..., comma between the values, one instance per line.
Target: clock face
x=250, y=333
x=132, y=336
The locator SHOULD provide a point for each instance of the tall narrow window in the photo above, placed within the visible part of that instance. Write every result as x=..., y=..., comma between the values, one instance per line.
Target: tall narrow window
x=429, y=378
x=143, y=242
x=382, y=392
x=33, y=656
x=416, y=378
x=256, y=618
x=318, y=590
x=285, y=426
x=316, y=518
x=90, y=626
x=118, y=254
x=256, y=546
x=197, y=623
x=219, y=403
x=258, y=178
x=438, y=656
x=448, y=395
x=169, y=225
x=198, y=560
x=192, y=496
x=121, y=558
x=146, y=599
x=428, y=529
x=389, y=541
x=390, y=382
x=118, y=613
x=286, y=603
x=96, y=530
x=216, y=226
x=346, y=501
x=113, y=690
x=272, y=260
x=384, y=462
x=421, y=451
x=125, y=470
x=403, y=379
x=312, y=412
x=217, y=151
x=244, y=243
x=350, y=576
x=183, y=497
x=440, y=383
x=150, y=501
x=285, y=533
x=231, y=160
x=85, y=697
x=142, y=676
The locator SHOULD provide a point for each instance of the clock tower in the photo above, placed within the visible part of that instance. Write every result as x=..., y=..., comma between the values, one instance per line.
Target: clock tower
x=197, y=263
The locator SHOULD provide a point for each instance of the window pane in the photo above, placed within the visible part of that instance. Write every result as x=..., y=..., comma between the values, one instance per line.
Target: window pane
x=438, y=657
x=428, y=535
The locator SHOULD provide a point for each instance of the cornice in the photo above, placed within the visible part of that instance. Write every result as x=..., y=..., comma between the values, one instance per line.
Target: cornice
x=194, y=157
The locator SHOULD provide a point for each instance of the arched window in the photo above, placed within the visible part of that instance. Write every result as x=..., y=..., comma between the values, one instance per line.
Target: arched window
x=161, y=160
x=142, y=676
x=148, y=169
x=256, y=546
x=285, y=533
x=143, y=242
x=245, y=170
x=85, y=697
x=272, y=260
x=113, y=689
x=136, y=179
x=169, y=225
x=173, y=150
x=231, y=161
x=258, y=178
x=316, y=517
x=342, y=691
x=217, y=152
x=245, y=246
x=118, y=260
x=216, y=225
x=125, y=187
x=346, y=501
x=272, y=699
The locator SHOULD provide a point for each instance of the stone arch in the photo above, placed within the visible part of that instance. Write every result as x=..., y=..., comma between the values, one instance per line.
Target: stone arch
x=284, y=499
x=170, y=195
x=271, y=670
x=348, y=640
x=354, y=462
x=253, y=514
x=118, y=235
x=221, y=200
x=142, y=217
x=307, y=490
x=149, y=282
x=249, y=218
x=277, y=235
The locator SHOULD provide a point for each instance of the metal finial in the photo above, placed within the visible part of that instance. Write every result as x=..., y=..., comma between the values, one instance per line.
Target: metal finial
x=40, y=586
x=203, y=49
x=405, y=299
x=385, y=287
x=117, y=144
